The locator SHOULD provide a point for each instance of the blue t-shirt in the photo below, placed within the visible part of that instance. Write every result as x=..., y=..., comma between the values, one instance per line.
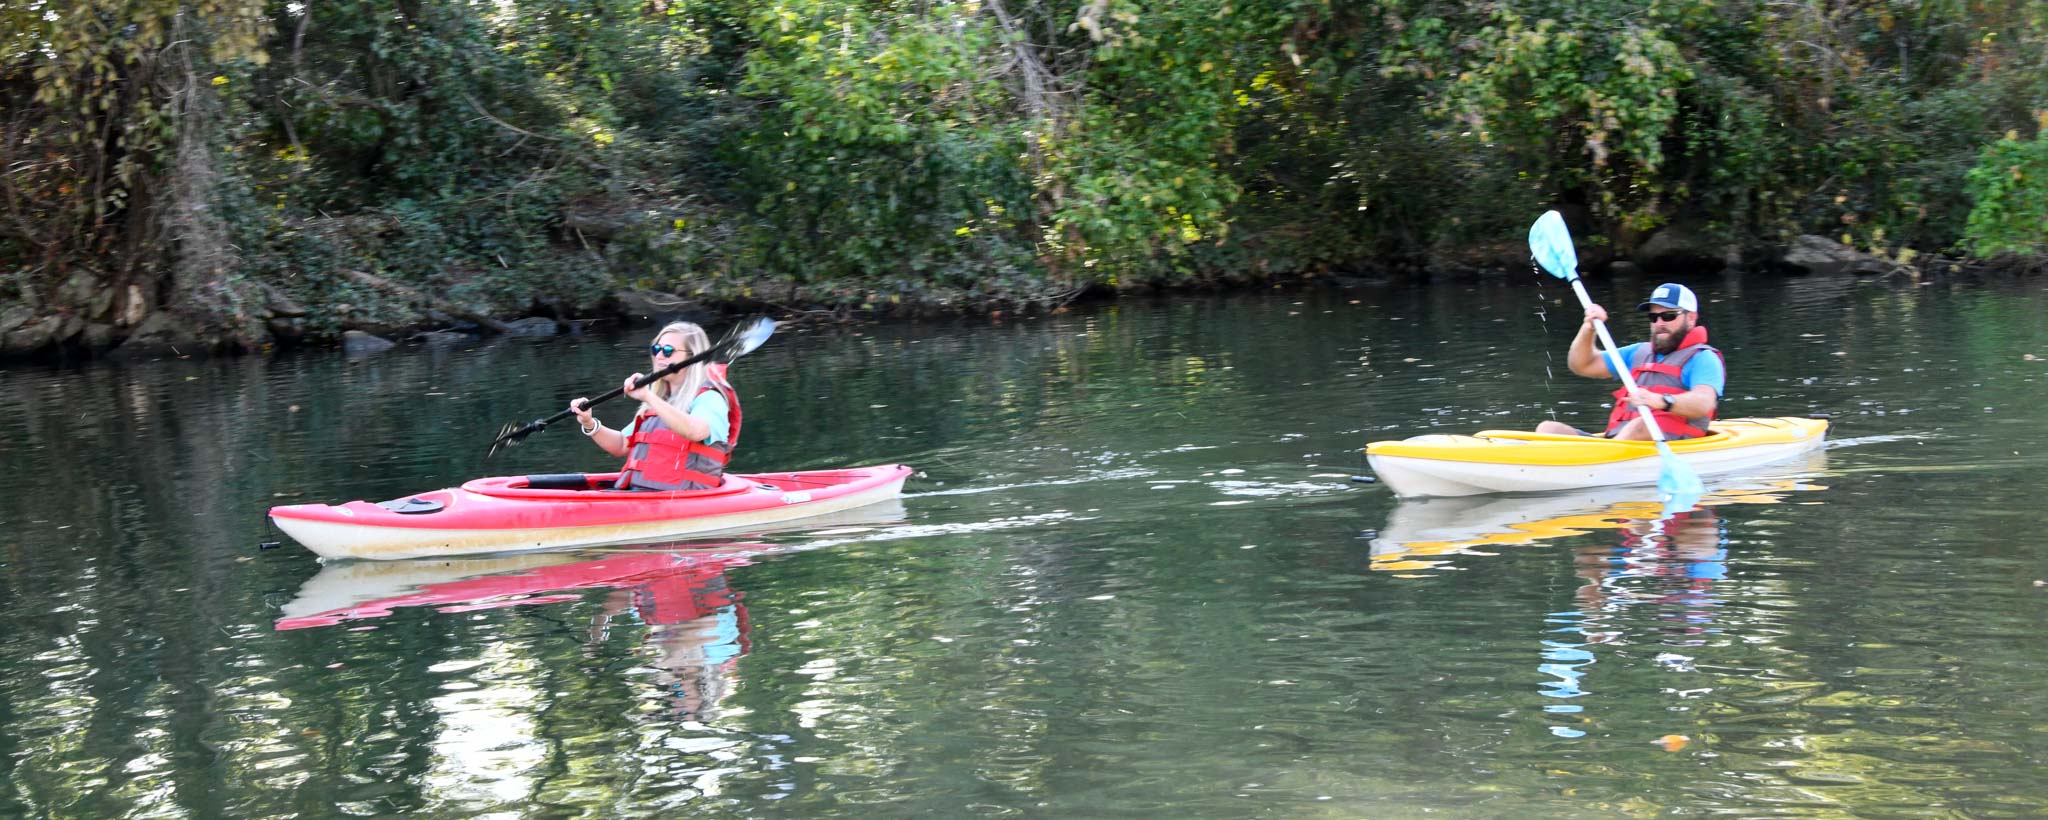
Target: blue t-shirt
x=710, y=407
x=1705, y=368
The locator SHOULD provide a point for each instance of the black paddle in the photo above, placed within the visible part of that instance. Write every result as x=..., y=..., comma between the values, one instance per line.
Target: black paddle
x=738, y=342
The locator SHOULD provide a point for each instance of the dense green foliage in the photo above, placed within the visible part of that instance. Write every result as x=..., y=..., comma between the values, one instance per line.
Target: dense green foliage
x=225, y=158
x=2010, y=187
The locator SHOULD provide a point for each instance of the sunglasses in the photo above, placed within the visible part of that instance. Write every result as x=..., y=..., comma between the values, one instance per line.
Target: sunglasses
x=661, y=350
x=1665, y=316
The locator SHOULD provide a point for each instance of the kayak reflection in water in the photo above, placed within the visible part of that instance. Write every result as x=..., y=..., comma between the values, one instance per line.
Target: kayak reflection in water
x=1681, y=387
x=1671, y=563
x=687, y=425
x=695, y=626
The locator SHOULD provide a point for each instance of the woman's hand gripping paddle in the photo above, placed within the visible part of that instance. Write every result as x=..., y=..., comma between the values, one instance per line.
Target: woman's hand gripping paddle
x=1551, y=242
x=738, y=342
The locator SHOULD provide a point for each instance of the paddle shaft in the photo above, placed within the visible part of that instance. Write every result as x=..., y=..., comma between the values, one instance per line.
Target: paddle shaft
x=1614, y=358
x=644, y=381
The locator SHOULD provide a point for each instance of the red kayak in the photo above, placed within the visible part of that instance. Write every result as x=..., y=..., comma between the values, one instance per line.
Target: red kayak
x=552, y=511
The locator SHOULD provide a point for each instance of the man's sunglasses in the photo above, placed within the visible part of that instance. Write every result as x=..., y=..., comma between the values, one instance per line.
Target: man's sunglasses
x=661, y=350
x=1665, y=316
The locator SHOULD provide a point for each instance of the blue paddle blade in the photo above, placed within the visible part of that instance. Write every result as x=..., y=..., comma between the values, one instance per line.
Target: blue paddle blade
x=742, y=340
x=1551, y=243
x=1678, y=479
x=753, y=336
x=1675, y=504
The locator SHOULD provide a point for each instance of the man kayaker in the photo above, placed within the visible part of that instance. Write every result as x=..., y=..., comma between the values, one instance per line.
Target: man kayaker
x=687, y=425
x=1678, y=376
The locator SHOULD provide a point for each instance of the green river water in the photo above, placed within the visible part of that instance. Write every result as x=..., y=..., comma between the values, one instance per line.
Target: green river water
x=1132, y=578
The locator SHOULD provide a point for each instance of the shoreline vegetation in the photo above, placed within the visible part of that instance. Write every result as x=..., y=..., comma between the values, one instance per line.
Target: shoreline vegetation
x=238, y=175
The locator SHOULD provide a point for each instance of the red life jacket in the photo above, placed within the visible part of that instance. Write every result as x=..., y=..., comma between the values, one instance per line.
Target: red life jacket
x=658, y=458
x=1665, y=377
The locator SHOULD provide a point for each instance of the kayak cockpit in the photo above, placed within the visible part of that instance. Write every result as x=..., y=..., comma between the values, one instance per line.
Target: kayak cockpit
x=599, y=486
x=588, y=487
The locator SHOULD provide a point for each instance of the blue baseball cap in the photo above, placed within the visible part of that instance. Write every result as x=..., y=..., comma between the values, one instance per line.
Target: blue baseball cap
x=1672, y=295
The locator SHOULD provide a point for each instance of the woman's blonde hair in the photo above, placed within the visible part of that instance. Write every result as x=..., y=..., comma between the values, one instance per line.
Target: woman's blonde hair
x=693, y=342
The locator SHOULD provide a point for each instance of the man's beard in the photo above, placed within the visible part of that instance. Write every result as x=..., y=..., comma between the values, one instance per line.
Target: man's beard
x=1664, y=344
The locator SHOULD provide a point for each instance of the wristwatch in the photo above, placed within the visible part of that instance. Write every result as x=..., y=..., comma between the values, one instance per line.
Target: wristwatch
x=1668, y=402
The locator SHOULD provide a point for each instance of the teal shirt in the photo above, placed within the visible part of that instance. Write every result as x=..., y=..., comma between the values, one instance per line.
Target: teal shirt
x=710, y=408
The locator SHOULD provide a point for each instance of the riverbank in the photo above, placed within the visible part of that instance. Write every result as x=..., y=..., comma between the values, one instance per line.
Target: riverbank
x=404, y=314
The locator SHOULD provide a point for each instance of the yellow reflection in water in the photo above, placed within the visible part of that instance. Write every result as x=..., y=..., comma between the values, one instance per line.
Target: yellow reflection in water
x=1419, y=532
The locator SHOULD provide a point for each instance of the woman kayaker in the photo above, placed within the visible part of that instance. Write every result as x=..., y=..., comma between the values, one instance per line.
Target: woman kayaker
x=1681, y=387
x=687, y=424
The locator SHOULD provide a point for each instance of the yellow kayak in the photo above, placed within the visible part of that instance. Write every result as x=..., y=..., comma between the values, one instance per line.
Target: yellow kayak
x=1510, y=461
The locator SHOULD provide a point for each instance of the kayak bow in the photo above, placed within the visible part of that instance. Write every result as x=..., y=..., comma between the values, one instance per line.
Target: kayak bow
x=509, y=513
x=1508, y=461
